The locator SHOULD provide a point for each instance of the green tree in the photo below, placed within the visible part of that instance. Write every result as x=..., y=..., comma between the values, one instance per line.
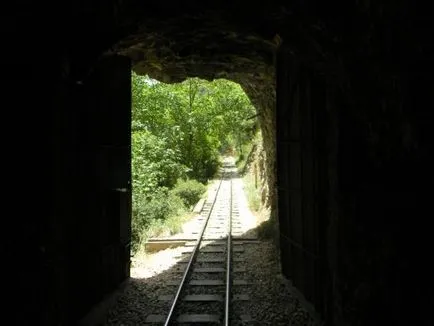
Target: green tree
x=179, y=131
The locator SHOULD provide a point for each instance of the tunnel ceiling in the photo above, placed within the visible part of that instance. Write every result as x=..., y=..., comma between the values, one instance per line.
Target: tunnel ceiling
x=170, y=52
x=237, y=43
x=237, y=40
x=202, y=46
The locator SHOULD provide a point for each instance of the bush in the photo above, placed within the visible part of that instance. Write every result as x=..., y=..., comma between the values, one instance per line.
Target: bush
x=189, y=191
x=157, y=208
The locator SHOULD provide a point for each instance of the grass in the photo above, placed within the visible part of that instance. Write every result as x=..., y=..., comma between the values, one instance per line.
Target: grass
x=163, y=228
x=252, y=191
x=250, y=181
x=167, y=227
x=170, y=225
x=241, y=160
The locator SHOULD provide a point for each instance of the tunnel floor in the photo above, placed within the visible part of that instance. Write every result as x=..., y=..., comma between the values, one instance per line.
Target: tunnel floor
x=272, y=300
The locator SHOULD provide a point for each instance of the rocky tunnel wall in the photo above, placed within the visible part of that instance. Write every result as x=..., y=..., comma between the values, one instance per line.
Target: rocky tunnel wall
x=372, y=66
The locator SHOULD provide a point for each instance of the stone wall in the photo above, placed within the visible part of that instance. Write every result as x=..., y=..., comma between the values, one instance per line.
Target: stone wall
x=376, y=59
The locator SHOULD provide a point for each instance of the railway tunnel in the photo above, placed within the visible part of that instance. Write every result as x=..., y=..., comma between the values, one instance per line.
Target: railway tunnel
x=344, y=98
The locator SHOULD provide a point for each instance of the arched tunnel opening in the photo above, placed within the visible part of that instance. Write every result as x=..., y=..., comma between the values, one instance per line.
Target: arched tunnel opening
x=344, y=98
x=181, y=135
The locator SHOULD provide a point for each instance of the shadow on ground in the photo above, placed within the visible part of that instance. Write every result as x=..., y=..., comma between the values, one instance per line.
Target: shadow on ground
x=271, y=298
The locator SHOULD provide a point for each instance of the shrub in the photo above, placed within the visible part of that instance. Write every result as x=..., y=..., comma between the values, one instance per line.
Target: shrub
x=189, y=191
x=157, y=208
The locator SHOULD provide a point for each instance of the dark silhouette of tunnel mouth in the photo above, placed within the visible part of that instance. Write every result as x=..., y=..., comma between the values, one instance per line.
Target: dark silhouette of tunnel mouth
x=374, y=263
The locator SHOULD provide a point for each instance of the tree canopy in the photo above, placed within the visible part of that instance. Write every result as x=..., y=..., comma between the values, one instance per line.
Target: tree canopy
x=195, y=119
x=179, y=132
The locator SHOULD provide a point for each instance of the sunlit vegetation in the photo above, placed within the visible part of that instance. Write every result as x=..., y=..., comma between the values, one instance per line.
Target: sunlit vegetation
x=179, y=132
x=246, y=161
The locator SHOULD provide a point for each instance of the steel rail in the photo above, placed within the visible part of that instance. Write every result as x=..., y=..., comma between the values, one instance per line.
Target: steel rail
x=192, y=257
x=228, y=262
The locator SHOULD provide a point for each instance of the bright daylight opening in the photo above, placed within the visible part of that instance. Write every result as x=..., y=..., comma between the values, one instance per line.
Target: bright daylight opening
x=183, y=136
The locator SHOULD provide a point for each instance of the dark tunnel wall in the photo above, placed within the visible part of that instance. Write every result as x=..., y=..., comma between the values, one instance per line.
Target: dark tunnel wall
x=350, y=198
x=368, y=69
x=302, y=178
x=75, y=236
x=100, y=236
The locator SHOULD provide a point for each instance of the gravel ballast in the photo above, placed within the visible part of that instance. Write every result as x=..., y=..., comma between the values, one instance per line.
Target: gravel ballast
x=271, y=299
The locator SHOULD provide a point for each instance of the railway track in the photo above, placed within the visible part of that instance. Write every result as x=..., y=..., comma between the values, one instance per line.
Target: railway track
x=211, y=281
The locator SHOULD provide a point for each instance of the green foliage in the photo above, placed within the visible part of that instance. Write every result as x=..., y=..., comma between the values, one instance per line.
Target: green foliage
x=162, y=205
x=154, y=163
x=190, y=191
x=243, y=155
x=252, y=191
x=178, y=132
x=196, y=118
x=155, y=169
